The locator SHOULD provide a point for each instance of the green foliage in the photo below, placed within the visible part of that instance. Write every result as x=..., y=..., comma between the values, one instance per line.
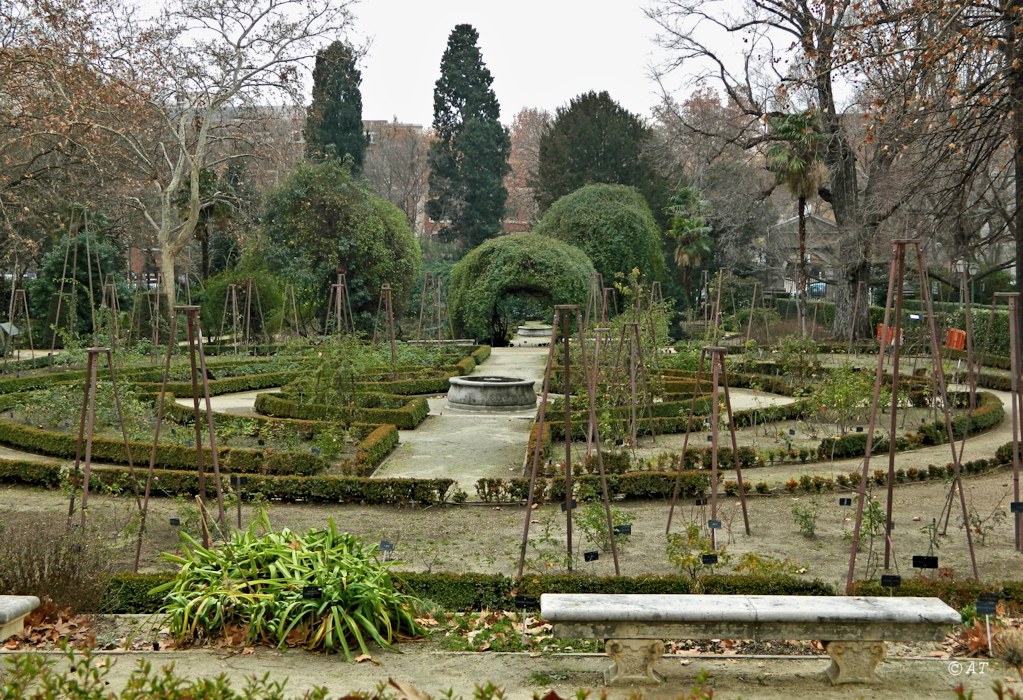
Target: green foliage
x=805, y=516
x=312, y=489
x=523, y=264
x=592, y=522
x=766, y=565
x=690, y=233
x=131, y=594
x=796, y=152
x=80, y=306
x=613, y=225
x=83, y=677
x=265, y=306
x=595, y=140
x=469, y=155
x=257, y=581
x=322, y=219
x=334, y=121
x=797, y=356
x=686, y=550
x=458, y=591
x=844, y=395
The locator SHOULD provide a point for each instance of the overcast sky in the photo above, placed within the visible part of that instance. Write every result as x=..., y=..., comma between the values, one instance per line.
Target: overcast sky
x=541, y=53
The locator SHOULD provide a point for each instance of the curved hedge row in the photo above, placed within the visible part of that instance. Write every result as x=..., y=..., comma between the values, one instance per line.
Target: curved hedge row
x=278, y=405
x=232, y=459
x=989, y=413
x=631, y=485
x=313, y=489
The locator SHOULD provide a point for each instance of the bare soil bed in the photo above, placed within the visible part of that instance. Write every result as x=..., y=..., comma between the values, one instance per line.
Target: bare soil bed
x=487, y=538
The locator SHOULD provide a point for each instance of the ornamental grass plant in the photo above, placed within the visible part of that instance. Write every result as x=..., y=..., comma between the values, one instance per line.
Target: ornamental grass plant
x=322, y=590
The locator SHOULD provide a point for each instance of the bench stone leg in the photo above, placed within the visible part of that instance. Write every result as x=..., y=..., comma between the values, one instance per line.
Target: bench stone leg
x=854, y=662
x=634, y=660
x=12, y=628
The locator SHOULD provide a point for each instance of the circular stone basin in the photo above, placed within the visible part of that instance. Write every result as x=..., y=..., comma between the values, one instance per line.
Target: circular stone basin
x=534, y=331
x=488, y=393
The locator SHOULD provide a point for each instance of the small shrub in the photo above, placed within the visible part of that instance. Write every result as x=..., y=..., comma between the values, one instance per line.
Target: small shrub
x=592, y=520
x=763, y=487
x=45, y=559
x=686, y=550
x=805, y=517
x=766, y=565
x=791, y=485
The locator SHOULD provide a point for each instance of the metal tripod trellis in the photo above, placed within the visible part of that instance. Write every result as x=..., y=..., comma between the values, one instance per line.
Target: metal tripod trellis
x=719, y=392
x=385, y=309
x=82, y=469
x=199, y=381
x=339, y=308
x=564, y=317
x=893, y=334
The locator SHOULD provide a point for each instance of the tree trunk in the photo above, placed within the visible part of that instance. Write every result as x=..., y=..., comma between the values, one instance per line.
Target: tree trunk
x=1015, y=38
x=204, y=247
x=852, y=307
x=167, y=276
x=801, y=282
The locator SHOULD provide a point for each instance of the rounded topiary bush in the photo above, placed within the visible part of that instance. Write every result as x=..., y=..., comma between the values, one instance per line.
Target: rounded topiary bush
x=612, y=224
x=510, y=266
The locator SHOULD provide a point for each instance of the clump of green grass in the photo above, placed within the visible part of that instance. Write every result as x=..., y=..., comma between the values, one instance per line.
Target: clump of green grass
x=322, y=590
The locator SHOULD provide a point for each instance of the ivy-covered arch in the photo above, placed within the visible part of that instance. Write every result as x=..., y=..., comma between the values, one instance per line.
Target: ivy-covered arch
x=518, y=264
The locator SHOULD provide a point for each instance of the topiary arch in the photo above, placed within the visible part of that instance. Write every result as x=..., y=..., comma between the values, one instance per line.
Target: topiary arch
x=514, y=265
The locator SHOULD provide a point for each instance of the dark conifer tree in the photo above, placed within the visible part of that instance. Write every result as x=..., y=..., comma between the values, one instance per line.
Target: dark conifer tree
x=334, y=123
x=469, y=155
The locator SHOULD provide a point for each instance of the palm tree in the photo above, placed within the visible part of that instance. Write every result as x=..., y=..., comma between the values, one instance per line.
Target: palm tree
x=795, y=158
x=689, y=229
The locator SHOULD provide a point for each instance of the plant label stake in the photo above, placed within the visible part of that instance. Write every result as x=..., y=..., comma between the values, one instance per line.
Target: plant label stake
x=987, y=605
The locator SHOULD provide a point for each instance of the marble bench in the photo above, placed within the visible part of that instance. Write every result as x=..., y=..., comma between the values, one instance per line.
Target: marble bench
x=13, y=609
x=853, y=629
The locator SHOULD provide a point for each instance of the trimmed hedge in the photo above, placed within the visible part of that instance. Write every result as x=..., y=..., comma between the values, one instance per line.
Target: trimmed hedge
x=632, y=485
x=172, y=482
x=460, y=592
x=239, y=460
x=130, y=593
x=278, y=405
x=988, y=414
x=957, y=594
x=227, y=385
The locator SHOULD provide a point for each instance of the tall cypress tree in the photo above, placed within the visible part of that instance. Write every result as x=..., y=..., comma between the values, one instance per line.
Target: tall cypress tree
x=334, y=122
x=469, y=156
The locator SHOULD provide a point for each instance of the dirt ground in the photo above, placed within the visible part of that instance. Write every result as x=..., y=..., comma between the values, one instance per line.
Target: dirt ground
x=522, y=676
x=487, y=538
